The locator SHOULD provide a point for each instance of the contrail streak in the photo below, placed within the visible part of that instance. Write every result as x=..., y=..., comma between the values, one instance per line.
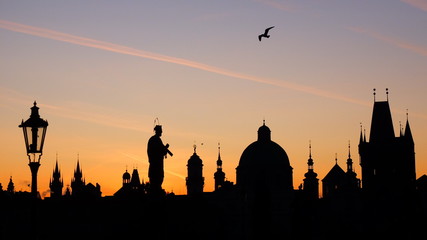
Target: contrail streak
x=421, y=50
x=88, y=42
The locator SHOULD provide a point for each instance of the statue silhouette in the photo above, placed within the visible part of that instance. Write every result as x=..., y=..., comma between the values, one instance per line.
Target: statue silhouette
x=156, y=153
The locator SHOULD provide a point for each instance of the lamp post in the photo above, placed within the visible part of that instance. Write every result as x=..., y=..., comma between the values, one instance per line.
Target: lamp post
x=34, y=130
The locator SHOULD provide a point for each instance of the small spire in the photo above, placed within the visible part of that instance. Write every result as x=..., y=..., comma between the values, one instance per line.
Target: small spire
x=310, y=161
x=408, y=132
x=386, y=92
x=336, y=158
x=364, y=134
x=349, y=154
x=349, y=160
x=374, y=94
x=263, y=122
x=219, y=161
x=194, y=146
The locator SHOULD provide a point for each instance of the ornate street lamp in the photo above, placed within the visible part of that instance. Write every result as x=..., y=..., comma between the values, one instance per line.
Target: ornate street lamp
x=34, y=130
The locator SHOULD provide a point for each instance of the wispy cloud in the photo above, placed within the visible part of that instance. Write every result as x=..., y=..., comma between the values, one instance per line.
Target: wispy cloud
x=420, y=50
x=420, y=4
x=73, y=110
x=88, y=42
x=84, y=113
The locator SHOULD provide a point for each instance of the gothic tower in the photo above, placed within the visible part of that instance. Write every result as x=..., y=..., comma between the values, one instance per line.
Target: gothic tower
x=311, y=182
x=56, y=183
x=219, y=175
x=77, y=182
x=135, y=182
x=195, y=179
x=387, y=161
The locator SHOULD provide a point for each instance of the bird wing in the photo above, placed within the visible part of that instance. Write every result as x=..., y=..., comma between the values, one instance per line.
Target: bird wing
x=268, y=29
x=259, y=37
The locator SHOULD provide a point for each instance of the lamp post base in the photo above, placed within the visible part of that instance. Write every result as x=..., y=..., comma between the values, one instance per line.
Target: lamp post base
x=34, y=167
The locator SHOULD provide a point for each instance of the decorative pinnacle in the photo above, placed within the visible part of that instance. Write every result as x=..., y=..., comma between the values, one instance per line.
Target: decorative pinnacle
x=386, y=92
x=375, y=93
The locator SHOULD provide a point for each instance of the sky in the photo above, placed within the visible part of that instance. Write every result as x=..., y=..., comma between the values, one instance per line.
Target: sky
x=103, y=71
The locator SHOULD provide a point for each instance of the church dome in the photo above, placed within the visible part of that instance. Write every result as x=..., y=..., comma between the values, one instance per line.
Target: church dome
x=265, y=161
x=126, y=175
x=264, y=151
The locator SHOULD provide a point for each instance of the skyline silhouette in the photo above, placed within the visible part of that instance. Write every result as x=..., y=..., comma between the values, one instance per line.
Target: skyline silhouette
x=386, y=201
x=102, y=72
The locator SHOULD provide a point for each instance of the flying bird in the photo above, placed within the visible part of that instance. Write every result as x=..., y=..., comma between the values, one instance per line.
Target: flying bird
x=265, y=34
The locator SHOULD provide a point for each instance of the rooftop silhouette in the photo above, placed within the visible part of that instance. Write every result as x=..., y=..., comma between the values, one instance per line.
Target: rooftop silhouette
x=387, y=202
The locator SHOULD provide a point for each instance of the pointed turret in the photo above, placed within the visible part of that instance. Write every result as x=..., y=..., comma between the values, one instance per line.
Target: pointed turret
x=349, y=160
x=56, y=183
x=11, y=186
x=77, y=182
x=382, y=124
x=353, y=183
x=135, y=182
x=311, y=183
x=219, y=175
x=408, y=132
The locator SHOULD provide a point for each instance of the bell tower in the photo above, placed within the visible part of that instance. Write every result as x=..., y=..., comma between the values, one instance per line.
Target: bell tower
x=195, y=180
x=311, y=182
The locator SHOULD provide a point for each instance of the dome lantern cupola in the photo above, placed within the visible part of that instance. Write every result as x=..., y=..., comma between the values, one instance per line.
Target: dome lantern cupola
x=264, y=133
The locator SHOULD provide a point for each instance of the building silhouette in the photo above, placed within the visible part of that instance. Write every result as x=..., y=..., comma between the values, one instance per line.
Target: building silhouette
x=195, y=180
x=132, y=187
x=387, y=161
x=311, y=182
x=219, y=175
x=264, y=183
x=388, y=202
x=56, y=183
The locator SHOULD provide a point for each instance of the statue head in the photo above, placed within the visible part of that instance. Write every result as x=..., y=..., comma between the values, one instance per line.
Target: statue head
x=158, y=130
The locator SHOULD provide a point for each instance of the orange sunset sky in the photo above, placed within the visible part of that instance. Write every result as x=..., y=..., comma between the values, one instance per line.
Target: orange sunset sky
x=103, y=71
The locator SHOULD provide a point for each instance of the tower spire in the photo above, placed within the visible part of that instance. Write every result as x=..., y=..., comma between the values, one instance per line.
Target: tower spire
x=219, y=175
x=408, y=132
x=374, y=94
x=310, y=162
x=219, y=161
x=386, y=92
x=349, y=160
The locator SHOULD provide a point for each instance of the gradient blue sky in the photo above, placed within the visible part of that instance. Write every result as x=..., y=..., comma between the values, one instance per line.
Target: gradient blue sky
x=102, y=71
